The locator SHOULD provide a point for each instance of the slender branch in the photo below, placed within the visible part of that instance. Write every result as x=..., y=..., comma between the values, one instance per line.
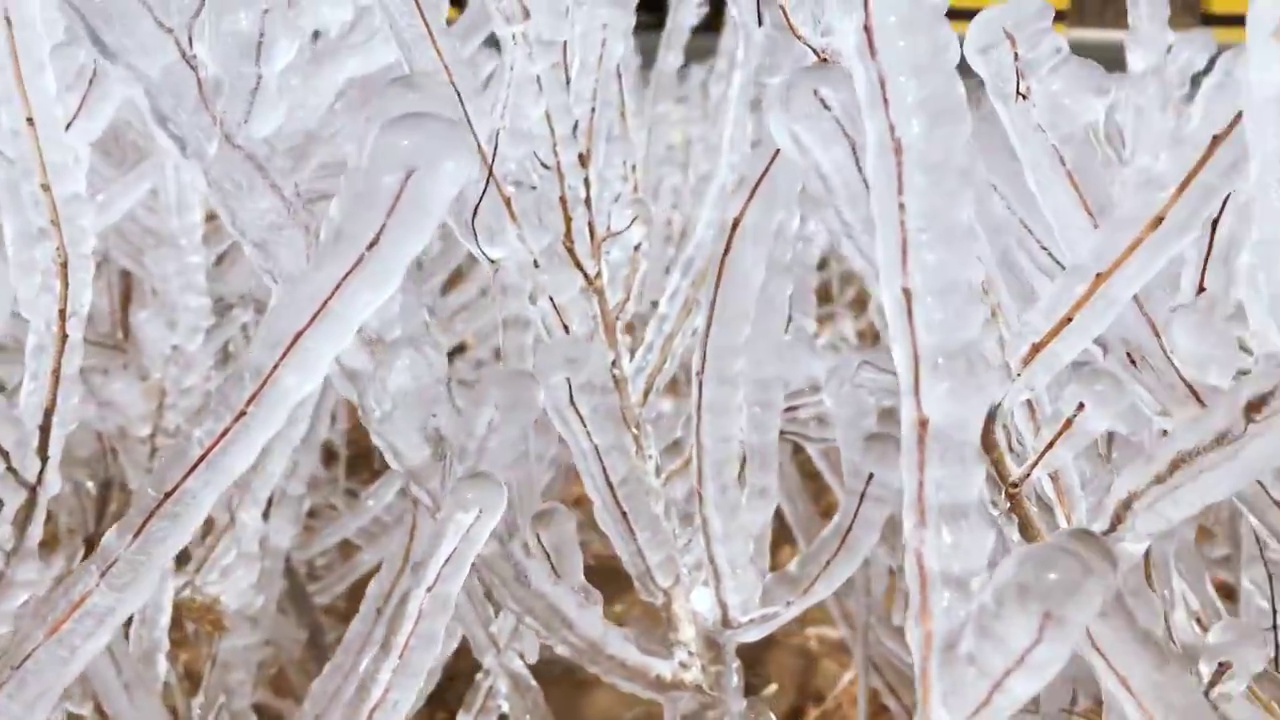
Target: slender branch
x=488, y=181
x=84, y=97
x=1271, y=594
x=1208, y=250
x=257, y=62
x=699, y=380
x=1100, y=279
x=912, y=383
x=1016, y=484
x=1253, y=412
x=61, y=336
x=211, y=448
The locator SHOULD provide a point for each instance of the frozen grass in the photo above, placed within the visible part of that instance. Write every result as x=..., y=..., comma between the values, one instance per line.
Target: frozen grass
x=340, y=341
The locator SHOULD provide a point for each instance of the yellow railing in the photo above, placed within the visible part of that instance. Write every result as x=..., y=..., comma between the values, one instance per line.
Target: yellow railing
x=1224, y=7
x=1224, y=17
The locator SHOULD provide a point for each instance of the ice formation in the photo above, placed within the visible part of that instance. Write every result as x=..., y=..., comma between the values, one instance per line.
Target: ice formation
x=999, y=358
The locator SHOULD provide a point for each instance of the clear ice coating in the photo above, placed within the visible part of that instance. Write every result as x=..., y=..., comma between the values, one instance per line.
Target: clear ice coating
x=344, y=341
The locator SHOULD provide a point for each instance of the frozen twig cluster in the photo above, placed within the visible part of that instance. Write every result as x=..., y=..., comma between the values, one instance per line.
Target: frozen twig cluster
x=1001, y=359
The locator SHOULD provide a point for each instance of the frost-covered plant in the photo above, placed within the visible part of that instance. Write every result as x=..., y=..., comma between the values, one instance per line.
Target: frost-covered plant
x=1035, y=475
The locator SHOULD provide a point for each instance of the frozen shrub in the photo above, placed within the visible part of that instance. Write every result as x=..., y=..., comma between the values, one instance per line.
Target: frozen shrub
x=1000, y=359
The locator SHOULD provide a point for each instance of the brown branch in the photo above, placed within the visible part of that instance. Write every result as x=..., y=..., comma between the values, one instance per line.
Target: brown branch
x=1078, y=191
x=1271, y=594
x=584, y=163
x=1208, y=250
x=191, y=22
x=257, y=62
x=848, y=137
x=417, y=616
x=1028, y=524
x=614, y=497
x=1027, y=228
x=186, y=54
x=699, y=380
x=507, y=202
x=592, y=280
x=1124, y=681
x=61, y=337
x=84, y=97
x=1252, y=412
x=218, y=440
x=1021, y=92
x=488, y=181
x=921, y=510
x=1018, y=481
x=1168, y=356
x=1008, y=672
x=844, y=539
x=785, y=7
x=1101, y=278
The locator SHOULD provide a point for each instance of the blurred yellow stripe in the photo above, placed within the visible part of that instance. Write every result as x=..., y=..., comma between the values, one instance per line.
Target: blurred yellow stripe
x=1224, y=7
x=979, y=4
x=1229, y=35
x=1212, y=7
x=961, y=25
x=1225, y=35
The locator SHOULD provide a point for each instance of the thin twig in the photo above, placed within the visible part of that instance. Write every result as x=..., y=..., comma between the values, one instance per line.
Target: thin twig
x=488, y=181
x=848, y=137
x=84, y=97
x=699, y=379
x=1271, y=593
x=61, y=336
x=1100, y=279
x=1208, y=250
x=1028, y=524
x=257, y=62
x=1021, y=478
x=1253, y=412
x=785, y=7
x=211, y=448
x=918, y=475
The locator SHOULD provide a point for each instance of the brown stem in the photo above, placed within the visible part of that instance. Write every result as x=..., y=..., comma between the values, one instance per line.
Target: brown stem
x=1208, y=250
x=61, y=336
x=84, y=97
x=1252, y=413
x=1018, y=481
x=699, y=380
x=1101, y=278
x=921, y=510
x=216, y=443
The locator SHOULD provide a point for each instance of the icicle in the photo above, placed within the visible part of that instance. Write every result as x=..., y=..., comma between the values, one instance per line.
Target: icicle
x=372, y=503
x=1140, y=677
x=1132, y=248
x=1207, y=459
x=556, y=537
x=718, y=391
x=250, y=198
x=829, y=560
x=1028, y=620
x=413, y=170
x=414, y=633
x=1262, y=112
x=936, y=315
x=50, y=241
